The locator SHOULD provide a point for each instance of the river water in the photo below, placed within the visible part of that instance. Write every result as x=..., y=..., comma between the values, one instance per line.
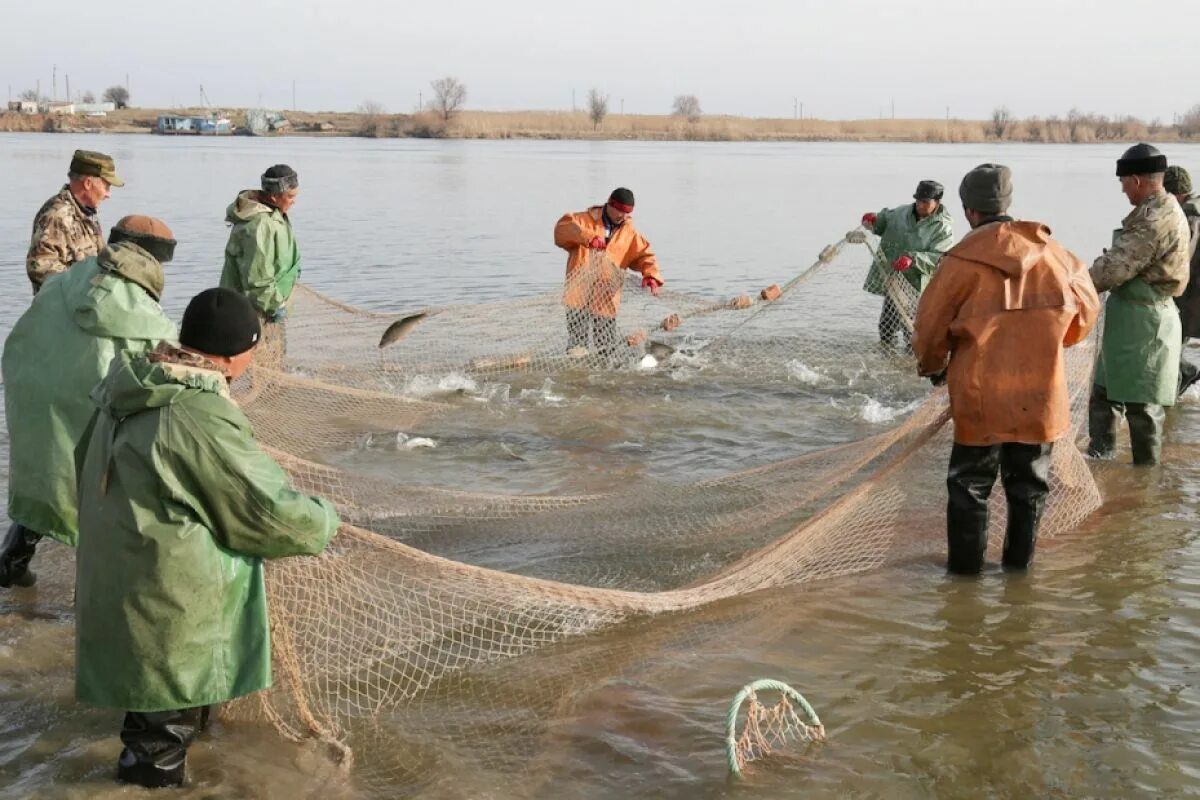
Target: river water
x=1076, y=680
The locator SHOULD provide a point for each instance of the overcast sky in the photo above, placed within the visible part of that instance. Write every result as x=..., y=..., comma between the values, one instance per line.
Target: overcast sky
x=843, y=60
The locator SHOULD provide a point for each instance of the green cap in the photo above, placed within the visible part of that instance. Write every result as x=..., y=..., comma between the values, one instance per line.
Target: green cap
x=987, y=189
x=98, y=165
x=1177, y=181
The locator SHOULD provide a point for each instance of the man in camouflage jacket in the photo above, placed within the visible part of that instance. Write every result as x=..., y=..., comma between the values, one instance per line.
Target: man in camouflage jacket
x=1137, y=373
x=1179, y=183
x=66, y=228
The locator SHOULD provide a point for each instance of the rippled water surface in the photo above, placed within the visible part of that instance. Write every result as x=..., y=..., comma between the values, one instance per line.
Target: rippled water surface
x=1075, y=680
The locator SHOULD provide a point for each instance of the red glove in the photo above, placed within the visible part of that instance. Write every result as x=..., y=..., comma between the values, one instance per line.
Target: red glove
x=868, y=220
x=651, y=283
x=598, y=243
x=902, y=264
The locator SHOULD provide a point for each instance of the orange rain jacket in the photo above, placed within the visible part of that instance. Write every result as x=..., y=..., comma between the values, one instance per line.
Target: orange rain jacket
x=627, y=249
x=1004, y=303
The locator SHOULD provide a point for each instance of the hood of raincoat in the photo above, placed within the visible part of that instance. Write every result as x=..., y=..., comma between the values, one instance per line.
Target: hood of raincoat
x=1012, y=248
x=166, y=376
x=246, y=206
x=102, y=308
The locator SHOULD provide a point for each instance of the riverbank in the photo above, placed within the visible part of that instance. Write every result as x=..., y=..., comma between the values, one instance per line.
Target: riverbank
x=577, y=125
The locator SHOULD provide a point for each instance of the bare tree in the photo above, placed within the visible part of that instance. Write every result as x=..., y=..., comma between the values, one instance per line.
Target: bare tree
x=1189, y=123
x=372, y=113
x=688, y=107
x=1001, y=120
x=88, y=97
x=449, y=94
x=30, y=95
x=117, y=95
x=597, y=107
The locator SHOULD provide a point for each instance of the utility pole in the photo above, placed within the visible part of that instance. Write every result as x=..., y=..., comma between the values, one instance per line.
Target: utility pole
x=795, y=108
x=54, y=82
x=420, y=101
x=802, y=111
x=293, y=94
x=68, y=77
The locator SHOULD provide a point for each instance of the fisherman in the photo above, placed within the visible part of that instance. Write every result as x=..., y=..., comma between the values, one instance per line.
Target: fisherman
x=593, y=293
x=59, y=349
x=261, y=259
x=1178, y=182
x=178, y=508
x=1137, y=373
x=912, y=240
x=66, y=228
x=993, y=324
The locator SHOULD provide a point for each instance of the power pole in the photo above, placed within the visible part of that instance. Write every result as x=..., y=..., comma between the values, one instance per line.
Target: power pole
x=54, y=82
x=420, y=101
x=68, y=77
x=802, y=111
x=795, y=108
x=293, y=94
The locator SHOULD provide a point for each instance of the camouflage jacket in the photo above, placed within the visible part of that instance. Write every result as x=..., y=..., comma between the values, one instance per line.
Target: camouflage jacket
x=63, y=233
x=1152, y=245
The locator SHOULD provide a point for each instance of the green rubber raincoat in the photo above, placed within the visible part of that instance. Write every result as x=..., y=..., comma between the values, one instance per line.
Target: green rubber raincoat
x=901, y=233
x=59, y=349
x=178, y=508
x=261, y=258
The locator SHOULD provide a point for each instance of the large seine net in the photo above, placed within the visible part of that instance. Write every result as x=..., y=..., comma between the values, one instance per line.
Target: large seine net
x=446, y=626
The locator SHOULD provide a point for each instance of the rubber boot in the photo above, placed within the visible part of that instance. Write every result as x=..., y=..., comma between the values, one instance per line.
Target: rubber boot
x=16, y=552
x=1145, y=432
x=970, y=478
x=1103, y=418
x=1189, y=373
x=1025, y=470
x=156, y=743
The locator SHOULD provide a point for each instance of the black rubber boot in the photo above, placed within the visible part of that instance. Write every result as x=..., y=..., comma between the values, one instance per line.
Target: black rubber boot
x=970, y=478
x=1145, y=432
x=1189, y=373
x=1025, y=470
x=1103, y=418
x=156, y=743
x=16, y=552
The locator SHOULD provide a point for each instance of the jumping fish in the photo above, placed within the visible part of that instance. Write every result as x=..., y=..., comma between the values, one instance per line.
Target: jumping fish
x=660, y=351
x=400, y=328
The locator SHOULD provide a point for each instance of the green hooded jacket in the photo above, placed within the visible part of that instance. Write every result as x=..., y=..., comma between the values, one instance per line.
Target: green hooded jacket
x=261, y=259
x=59, y=349
x=901, y=233
x=178, y=508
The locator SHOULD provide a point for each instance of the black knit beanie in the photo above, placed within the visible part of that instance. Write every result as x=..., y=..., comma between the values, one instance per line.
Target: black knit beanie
x=219, y=322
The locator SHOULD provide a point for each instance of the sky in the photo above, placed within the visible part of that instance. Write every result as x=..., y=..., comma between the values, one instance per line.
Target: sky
x=851, y=59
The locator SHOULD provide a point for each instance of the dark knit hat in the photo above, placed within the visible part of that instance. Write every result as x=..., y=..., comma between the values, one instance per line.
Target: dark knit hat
x=148, y=233
x=929, y=190
x=621, y=199
x=1177, y=180
x=987, y=189
x=279, y=179
x=219, y=322
x=1141, y=159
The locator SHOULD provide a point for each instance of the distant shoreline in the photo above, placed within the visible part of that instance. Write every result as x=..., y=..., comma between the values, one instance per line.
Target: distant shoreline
x=567, y=125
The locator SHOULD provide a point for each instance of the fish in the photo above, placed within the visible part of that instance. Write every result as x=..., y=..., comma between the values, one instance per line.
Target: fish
x=400, y=328
x=660, y=351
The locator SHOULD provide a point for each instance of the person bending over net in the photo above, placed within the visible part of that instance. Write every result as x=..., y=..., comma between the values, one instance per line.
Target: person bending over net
x=178, y=508
x=601, y=243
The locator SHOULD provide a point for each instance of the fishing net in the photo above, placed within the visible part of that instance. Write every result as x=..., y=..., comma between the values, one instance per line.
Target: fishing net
x=447, y=624
x=767, y=727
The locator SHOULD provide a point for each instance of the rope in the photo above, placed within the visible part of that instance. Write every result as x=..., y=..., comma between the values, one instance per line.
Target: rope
x=748, y=692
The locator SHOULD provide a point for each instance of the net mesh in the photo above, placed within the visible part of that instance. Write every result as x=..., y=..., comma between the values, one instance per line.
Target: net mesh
x=768, y=727
x=447, y=624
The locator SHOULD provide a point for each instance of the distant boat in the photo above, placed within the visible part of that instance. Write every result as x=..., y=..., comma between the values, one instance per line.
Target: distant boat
x=182, y=125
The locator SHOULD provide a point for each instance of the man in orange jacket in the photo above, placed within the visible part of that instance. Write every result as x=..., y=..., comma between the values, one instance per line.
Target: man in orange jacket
x=601, y=244
x=993, y=324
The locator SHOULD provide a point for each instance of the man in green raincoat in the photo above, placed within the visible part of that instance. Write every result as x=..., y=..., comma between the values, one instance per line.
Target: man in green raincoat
x=261, y=258
x=912, y=241
x=1137, y=373
x=178, y=508
x=59, y=349
x=1178, y=182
